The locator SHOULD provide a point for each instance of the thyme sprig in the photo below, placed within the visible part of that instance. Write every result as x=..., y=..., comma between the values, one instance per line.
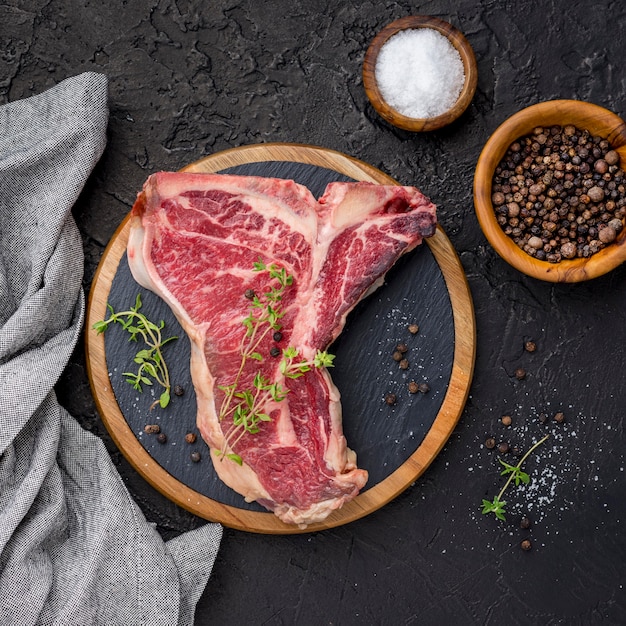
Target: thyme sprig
x=245, y=407
x=515, y=473
x=149, y=359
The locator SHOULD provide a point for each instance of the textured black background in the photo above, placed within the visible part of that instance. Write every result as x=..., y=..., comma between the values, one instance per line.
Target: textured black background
x=189, y=78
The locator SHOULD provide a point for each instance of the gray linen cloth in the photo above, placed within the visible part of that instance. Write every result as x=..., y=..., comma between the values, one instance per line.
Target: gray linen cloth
x=74, y=548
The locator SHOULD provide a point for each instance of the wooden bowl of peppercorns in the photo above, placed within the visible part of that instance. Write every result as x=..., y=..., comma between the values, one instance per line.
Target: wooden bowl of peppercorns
x=550, y=191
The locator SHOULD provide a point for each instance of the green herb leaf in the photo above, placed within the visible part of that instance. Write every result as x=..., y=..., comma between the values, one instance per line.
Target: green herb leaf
x=507, y=468
x=290, y=352
x=164, y=399
x=496, y=507
x=100, y=326
x=323, y=359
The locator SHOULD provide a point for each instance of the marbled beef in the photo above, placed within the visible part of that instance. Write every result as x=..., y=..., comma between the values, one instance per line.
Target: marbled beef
x=194, y=241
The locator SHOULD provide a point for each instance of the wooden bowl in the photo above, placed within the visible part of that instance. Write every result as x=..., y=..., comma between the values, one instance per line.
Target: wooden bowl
x=456, y=38
x=598, y=121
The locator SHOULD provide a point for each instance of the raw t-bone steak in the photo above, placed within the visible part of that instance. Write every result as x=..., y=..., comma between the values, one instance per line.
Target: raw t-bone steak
x=195, y=239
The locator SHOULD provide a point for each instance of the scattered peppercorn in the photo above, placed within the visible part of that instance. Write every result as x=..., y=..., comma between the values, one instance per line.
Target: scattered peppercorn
x=559, y=418
x=413, y=387
x=503, y=447
x=397, y=356
x=530, y=346
x=278, y=336
x=520, y=373
x=526, y=545
x=249, y=293
x=414, y=329
x=490, y=443
x=195, y=456
x=543, y=418
x=402, y=348
x=190, y=437
x=506, y=420
x=516, y=451
x=560, y=193
x=524, y=522
x=404, y=364
x=391, y=399
x=152, y=429
x=274, y=351
x=178, y=390
x=162, y=438
x=423, y=388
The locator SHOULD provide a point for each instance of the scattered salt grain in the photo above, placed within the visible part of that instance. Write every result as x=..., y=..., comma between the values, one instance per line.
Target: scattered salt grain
x=419, y=73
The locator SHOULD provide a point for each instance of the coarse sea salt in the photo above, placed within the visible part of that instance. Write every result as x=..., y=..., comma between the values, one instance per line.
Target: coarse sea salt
x=419, y=73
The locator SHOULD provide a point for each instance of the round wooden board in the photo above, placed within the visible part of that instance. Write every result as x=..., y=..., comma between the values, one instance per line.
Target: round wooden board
x=369, y=500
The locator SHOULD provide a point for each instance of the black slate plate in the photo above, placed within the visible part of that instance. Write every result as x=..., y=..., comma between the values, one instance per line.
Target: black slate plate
x=395, y=443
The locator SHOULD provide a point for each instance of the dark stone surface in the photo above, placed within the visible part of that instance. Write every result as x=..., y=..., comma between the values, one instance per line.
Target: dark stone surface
x=189, y=78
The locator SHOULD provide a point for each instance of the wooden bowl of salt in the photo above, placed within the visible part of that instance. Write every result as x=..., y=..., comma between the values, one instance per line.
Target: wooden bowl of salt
x=420, y=73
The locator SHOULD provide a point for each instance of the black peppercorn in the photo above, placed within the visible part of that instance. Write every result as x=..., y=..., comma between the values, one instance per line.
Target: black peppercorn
x=178, y=390
x=397, y=356
x=249, y=293
x=404, y=364
x=413, y=387
x=402, y=347
x=524, y=522
x=541, y=176
x=162, y=438
x=423, y=388
x=520, y=373
x=390, y=398
x=274, y=351
x=526, y=545
x=278, y=336
x=195, y=456
x=503, y=447
x=530, y=346
x=490, y=443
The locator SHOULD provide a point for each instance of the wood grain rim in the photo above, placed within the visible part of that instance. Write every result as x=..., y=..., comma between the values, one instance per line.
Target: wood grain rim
x=366, y=502
x=584, y=115
x=456, y=38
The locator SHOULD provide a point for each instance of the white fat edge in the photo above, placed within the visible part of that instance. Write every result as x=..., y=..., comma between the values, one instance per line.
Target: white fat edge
x=240, y=478
x=256, y=187
x=138, y=250
x=317, y=512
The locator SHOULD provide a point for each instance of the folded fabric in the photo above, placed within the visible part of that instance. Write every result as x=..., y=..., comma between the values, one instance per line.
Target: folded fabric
x=74, y=548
